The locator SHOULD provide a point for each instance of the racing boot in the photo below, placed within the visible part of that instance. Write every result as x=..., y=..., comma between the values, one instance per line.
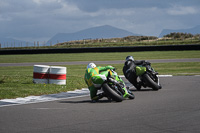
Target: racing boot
x=131, y=95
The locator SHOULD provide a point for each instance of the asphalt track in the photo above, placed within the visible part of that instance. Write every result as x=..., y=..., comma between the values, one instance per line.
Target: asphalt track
x=173, y=109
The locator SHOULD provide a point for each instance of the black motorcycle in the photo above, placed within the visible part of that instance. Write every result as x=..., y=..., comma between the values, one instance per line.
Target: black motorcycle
x=148, y=77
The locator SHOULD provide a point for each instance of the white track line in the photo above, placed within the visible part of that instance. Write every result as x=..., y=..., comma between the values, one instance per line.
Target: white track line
x=122, y=76
x=45, y=98
x=51, y=97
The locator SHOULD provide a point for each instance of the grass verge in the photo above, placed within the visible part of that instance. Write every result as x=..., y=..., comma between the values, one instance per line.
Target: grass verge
x=17, y=81
x=98, y=56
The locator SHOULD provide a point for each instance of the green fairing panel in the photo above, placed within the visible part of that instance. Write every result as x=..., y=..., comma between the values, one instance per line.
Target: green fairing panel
x=98, y=79
x=140, y=70
x=104, y=73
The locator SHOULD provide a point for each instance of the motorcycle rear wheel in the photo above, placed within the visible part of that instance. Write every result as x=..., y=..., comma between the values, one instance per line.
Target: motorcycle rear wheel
x=111, y=93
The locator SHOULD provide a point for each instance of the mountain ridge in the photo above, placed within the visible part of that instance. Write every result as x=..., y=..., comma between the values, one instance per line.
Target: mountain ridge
x=193, y=30
x=99, y=32
x=105, y=31
x=10, y=42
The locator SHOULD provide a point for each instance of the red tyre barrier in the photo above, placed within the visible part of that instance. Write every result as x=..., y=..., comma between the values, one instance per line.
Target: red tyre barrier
x=40, y=74
x=43, y=74
x=57, y=75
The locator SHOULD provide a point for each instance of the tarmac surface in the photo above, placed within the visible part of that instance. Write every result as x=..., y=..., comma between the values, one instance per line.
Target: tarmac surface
x=173, y=109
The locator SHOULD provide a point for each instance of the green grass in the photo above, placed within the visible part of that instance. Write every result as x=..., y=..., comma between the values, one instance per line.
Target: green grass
x=180, y=68
x=98, y=56
x=17, y=81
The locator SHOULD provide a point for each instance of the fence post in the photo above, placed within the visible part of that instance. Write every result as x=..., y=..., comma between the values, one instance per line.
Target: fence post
x=38, y=43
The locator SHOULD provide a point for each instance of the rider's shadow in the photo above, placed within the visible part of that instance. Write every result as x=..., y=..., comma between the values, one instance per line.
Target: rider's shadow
x=146, y=89
x=133, y=89
x=87, y=101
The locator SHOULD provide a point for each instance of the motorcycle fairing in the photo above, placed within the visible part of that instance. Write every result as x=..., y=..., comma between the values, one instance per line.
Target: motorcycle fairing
x=140, y=70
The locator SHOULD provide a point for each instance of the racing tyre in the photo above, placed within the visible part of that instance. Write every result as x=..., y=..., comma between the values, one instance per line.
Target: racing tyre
x=112, y=93
x=131, y=96
x=150, y=82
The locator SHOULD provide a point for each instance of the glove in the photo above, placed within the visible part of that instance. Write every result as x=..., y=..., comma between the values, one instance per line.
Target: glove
x=148, y=63
x=110, y=67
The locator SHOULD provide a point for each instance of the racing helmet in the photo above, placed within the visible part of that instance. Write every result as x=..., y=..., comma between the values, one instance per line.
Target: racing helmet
x=91, y=65
x=129, y=58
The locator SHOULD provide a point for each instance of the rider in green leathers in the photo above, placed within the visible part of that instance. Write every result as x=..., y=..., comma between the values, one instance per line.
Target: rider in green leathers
x=91, y=74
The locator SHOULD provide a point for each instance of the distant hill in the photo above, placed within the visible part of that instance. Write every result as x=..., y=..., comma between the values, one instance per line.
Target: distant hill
x=105, y=31
x=194, y=30
x=10, y=42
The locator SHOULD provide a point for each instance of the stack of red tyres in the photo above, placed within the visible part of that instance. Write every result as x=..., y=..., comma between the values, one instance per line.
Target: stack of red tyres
x=43, y=74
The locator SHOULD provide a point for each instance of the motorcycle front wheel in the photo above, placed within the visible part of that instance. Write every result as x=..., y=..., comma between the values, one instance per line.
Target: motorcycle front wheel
x=112, y=93
x=131, y=96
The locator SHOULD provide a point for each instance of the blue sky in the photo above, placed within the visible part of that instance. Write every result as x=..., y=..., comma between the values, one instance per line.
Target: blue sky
x=39, y=20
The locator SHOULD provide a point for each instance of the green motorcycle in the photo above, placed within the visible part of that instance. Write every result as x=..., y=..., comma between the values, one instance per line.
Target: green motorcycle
x=113, y=86
x=148, y=77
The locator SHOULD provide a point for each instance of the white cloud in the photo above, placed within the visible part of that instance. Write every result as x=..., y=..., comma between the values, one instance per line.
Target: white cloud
x=44, y=18
x=37, y=1
x=5, y=18
x=68, y=10
x=46, y=1
x=182, y=10
x=114, y=12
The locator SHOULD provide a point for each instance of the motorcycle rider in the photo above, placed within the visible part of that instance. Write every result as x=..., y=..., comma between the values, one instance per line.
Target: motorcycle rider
x=129, y=70
x=91, y=72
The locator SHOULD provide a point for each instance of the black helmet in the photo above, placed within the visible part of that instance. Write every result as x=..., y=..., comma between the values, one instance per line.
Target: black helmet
x=129, y=58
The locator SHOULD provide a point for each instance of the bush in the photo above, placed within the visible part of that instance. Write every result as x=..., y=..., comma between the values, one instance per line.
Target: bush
x=179, y=35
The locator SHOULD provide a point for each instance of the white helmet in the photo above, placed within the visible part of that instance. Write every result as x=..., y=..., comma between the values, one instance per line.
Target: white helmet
x=129, y=58
x=91, y=65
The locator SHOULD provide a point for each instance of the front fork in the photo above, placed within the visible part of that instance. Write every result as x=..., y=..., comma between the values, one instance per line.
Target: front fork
x=123, y=86
x=126, y=94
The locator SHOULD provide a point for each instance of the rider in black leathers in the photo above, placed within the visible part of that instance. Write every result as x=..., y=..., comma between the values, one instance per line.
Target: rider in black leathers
x=130, y=72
